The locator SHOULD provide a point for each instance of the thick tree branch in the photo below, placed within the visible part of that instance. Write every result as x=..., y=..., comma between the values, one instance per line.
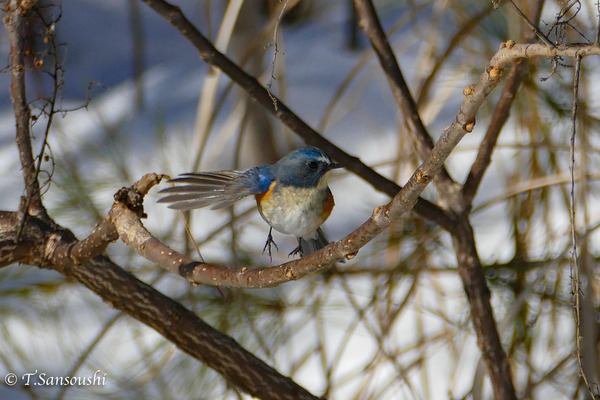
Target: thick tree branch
x=478, y=295
x=188, y=332
x=40, y=244
x=469, y=266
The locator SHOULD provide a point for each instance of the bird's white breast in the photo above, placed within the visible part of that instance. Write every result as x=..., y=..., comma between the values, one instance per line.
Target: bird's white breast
x=294, y=211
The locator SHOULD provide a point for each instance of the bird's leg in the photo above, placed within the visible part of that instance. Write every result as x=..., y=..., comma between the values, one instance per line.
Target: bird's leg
x=297, y=250
x=269, y=242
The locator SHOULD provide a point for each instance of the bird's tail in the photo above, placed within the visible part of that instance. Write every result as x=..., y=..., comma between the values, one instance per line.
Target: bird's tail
x=311, y=245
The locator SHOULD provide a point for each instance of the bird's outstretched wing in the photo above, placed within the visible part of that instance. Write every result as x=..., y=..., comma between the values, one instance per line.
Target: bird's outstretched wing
x=215, y=189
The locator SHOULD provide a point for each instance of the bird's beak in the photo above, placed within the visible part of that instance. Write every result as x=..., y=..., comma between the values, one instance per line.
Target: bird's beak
x=335, y=165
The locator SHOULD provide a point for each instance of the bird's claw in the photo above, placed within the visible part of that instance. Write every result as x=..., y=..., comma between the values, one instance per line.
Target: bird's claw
x=268, y=244
x=297, y=250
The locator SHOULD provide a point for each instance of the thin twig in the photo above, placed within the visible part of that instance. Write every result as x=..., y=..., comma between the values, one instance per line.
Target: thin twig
x=561, y=23
x=574, y=262
x=597, y=41
x=531, y=25
x=56, y=76
x=272, y=77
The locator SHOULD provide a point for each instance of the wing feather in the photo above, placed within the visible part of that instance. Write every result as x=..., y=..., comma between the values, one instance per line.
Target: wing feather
x=218, y=189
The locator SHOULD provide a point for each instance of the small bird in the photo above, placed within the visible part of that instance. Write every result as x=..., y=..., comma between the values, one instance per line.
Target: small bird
x=292, y=195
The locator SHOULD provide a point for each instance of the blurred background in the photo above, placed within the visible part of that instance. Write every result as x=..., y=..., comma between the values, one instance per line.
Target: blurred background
x=392, y=323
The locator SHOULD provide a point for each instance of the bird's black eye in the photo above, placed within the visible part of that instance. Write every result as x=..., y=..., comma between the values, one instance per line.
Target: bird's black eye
x=312, y=164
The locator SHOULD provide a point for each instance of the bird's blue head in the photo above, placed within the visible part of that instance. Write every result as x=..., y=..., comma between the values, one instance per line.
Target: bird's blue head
x=304, y=167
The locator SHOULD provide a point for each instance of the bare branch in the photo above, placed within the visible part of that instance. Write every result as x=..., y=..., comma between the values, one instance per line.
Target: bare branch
x=127, y=211
x=369, y=22
x=133, y=232
x=13, y=22
x=478, y=294
x=92, y=246
x=531, y=25
x=509, y=54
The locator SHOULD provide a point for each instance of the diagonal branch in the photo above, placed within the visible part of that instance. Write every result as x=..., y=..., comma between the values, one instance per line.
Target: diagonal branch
x=369, y=22
x=188, y=332
x=531, y=25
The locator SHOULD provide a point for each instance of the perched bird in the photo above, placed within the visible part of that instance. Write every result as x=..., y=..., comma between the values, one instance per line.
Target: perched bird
x=292, y=195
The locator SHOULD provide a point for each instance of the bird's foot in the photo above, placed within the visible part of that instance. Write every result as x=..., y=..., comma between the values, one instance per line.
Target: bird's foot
x=297, y=250
x=268, y=244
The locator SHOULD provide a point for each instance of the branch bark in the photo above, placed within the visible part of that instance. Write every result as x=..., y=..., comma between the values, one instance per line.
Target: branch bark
x=16, y=13
x=475, y=285
x=43, y=245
